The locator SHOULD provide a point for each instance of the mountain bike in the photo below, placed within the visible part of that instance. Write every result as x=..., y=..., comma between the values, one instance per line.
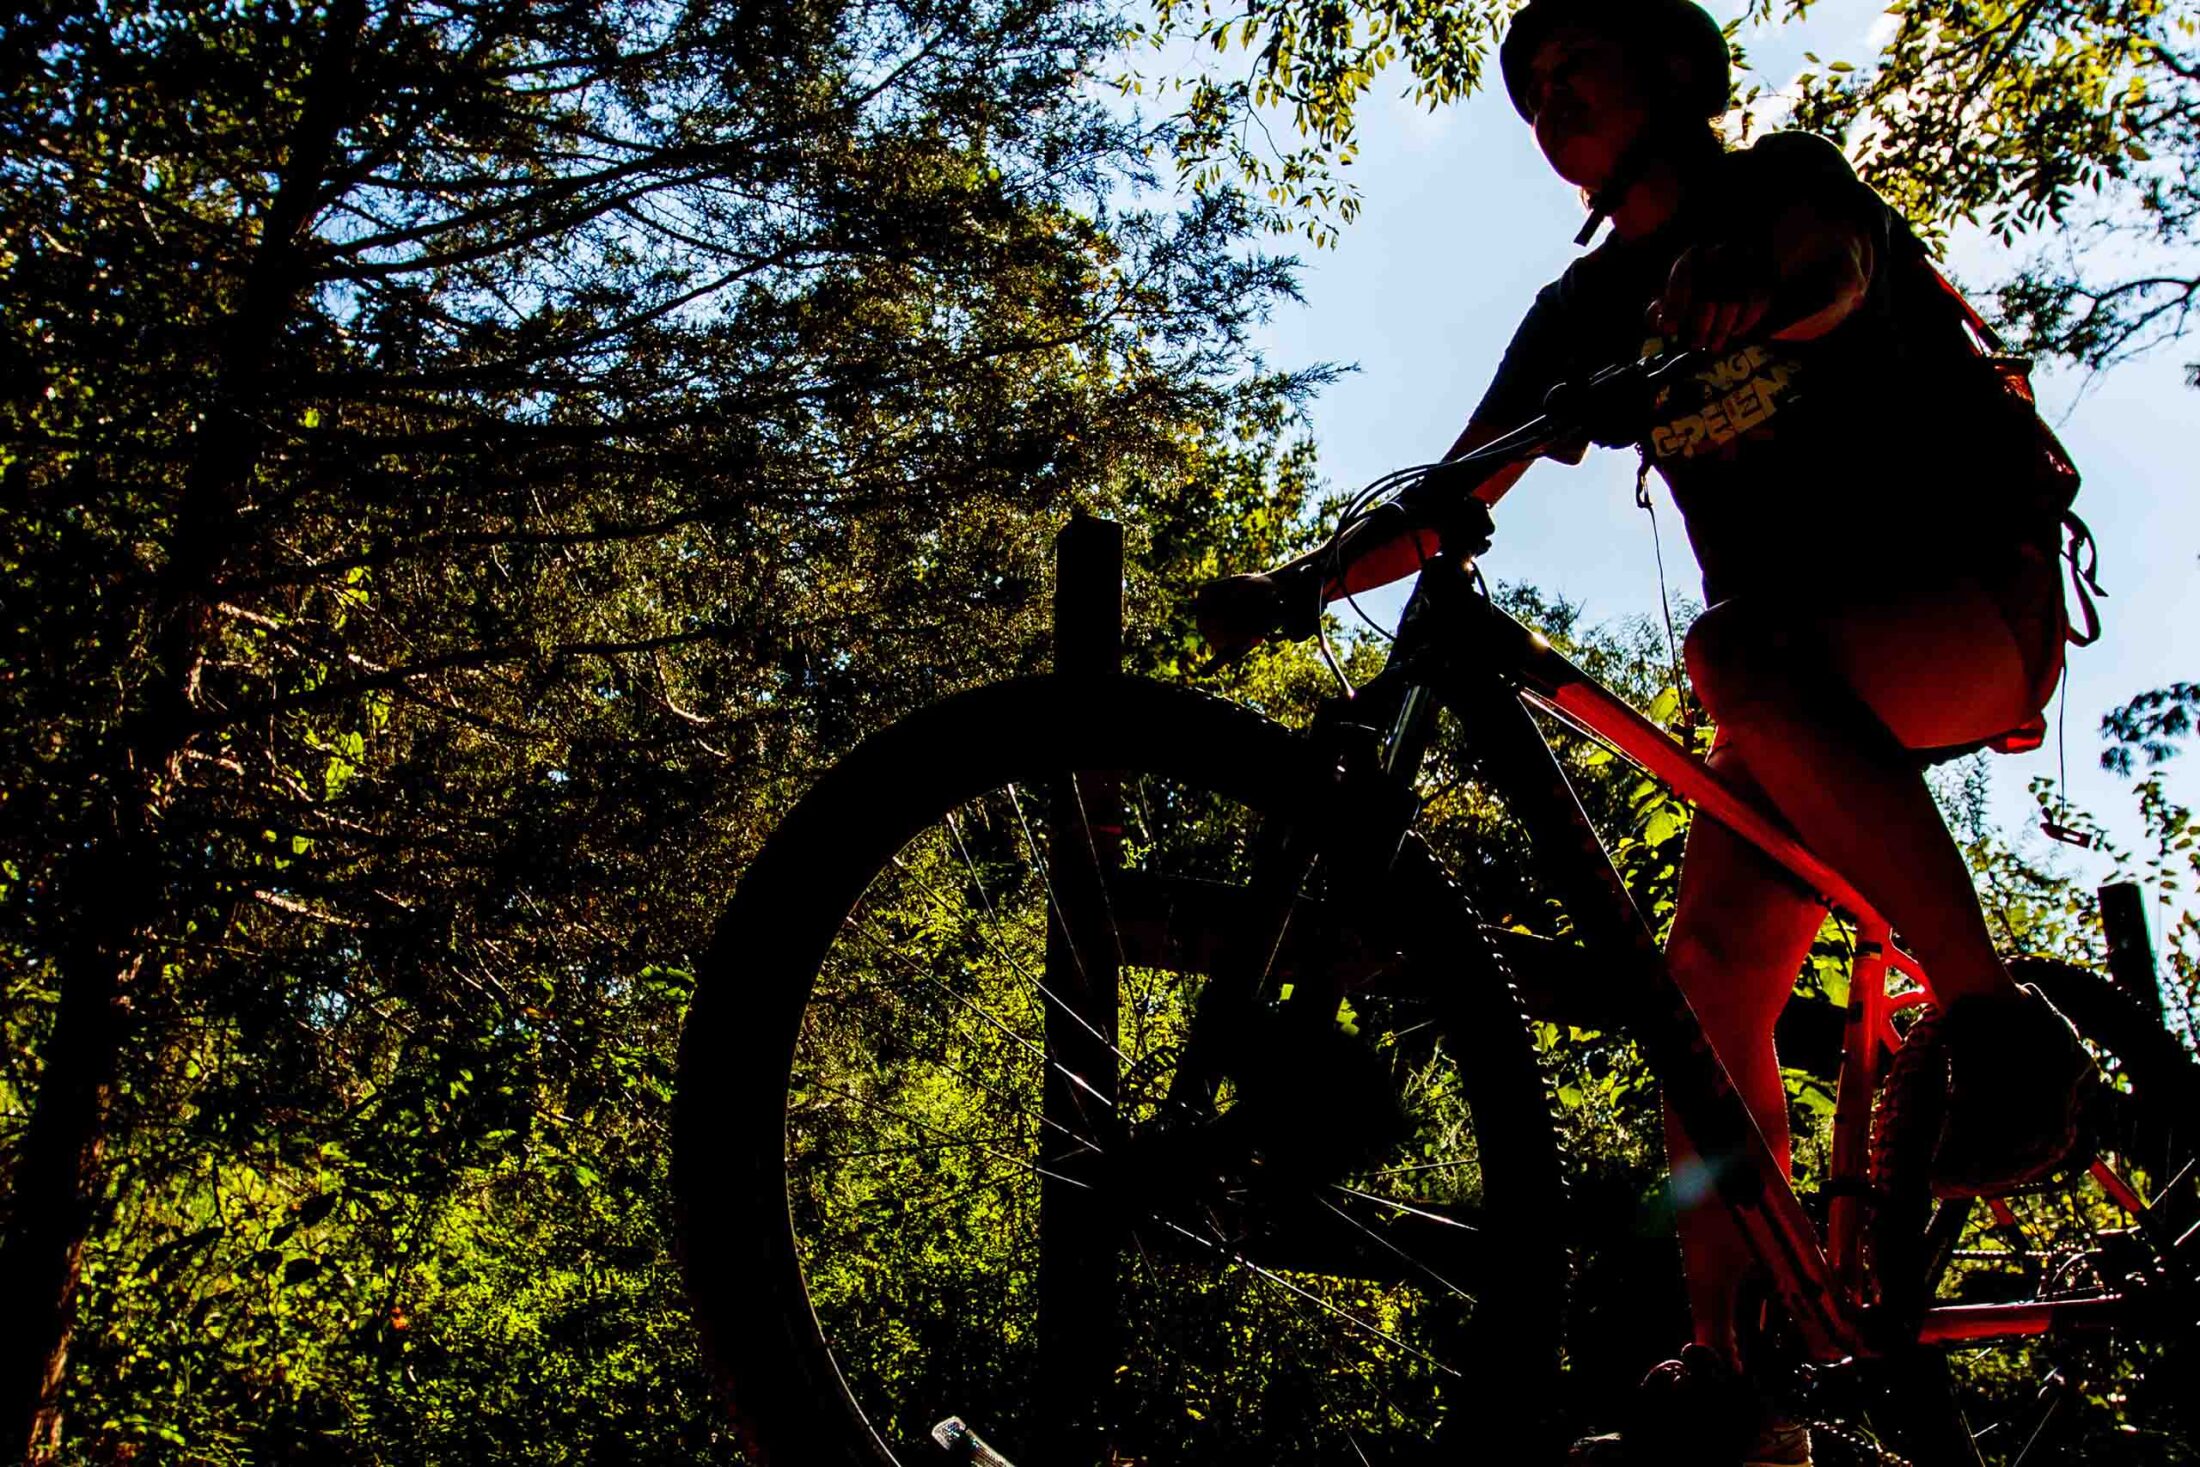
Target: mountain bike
x=1118, y=1070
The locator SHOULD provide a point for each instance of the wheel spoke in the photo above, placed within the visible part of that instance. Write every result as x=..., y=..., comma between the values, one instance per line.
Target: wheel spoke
x=869, y=1103
x=1017, y=1107
x=1395, y=1250
x=1099, y=865
x=1299, y=1291
x=813, y=1158
x=1076, y=950
x=1024, y=972
x=2098, y=1227
x=923, y=975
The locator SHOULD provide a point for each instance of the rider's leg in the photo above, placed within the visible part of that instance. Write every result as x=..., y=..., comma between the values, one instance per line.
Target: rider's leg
x=1740, y=932
x=1824, y=716
x=1820, y=718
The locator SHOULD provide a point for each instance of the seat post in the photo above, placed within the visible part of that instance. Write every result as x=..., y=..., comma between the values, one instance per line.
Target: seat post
x=1862, y=1044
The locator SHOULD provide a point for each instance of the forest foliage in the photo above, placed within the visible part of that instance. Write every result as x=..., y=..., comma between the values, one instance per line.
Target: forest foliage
x=467, y=465
x=2067, y=130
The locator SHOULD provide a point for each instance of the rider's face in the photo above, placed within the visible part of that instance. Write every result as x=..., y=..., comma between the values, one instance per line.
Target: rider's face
x=1588, y=102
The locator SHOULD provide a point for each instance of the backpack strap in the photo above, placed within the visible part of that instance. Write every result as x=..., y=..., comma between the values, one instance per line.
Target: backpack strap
x=1979, y=325
x=2079, y=547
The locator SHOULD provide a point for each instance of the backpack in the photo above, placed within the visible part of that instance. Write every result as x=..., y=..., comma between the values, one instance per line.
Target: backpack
x=2016, y=444
x=2014, y=447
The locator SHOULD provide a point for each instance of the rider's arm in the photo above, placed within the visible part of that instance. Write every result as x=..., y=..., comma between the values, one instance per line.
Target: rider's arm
x=1800, y=240
x=1237, y=611
x=1374, y=554
x=1825, y=268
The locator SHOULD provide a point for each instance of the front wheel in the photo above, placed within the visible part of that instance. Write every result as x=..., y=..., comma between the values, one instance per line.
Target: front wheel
x=994, y=1103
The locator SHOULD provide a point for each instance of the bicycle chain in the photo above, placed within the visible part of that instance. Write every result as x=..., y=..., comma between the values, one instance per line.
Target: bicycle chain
x=1867, y=1451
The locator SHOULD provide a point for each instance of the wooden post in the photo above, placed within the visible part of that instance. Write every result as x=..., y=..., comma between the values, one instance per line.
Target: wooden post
x=1088, y=596
x=2130, y=947
x=1079, y=1240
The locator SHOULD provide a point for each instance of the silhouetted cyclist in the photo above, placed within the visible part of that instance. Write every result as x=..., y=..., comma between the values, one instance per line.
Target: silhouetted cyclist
x=1876, y=599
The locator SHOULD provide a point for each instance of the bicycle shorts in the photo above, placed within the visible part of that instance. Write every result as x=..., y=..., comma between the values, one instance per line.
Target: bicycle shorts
x=1946, y=666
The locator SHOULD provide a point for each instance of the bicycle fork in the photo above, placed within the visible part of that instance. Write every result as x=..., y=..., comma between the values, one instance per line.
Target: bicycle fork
x=1350, y=832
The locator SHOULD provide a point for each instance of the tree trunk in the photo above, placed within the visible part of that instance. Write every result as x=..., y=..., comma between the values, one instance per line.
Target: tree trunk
x=57, y=1187
x=119, y=905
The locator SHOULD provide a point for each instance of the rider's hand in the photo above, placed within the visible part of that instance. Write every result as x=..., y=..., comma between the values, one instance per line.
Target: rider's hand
x=1237, y=613
x=1718, y=292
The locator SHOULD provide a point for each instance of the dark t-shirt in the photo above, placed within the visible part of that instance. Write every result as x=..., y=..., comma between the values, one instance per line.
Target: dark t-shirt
x=1793, y=464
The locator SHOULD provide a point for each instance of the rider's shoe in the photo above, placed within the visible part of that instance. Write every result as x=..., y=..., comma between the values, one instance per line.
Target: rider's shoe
x=1696, y=1412
x=2008, y=1078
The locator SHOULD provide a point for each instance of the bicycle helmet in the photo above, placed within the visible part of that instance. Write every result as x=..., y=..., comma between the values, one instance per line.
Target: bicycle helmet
x=1678, y=27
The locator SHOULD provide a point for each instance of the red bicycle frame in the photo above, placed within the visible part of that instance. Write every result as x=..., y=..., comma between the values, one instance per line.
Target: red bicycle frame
x=1491, y=670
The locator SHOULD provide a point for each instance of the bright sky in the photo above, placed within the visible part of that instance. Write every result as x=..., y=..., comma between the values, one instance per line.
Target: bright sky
x=1463, y=222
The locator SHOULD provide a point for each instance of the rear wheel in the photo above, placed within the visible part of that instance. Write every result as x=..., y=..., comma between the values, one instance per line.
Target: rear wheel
x=948, y=1142
x=2109, y=1223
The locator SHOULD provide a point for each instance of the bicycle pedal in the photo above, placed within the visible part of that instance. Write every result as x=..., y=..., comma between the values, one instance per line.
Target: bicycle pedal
x=961, y=1444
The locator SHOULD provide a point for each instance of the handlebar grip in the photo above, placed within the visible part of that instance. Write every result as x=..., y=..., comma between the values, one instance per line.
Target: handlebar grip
x=1613, y=407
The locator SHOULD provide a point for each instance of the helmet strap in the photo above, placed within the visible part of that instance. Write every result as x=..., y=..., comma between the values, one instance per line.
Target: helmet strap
x=1633, y=164
x=1630, y=169
x=1598, y=213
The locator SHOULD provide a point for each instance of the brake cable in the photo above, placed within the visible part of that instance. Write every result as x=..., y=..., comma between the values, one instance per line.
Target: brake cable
x=1648, y=505
x=1523, y=442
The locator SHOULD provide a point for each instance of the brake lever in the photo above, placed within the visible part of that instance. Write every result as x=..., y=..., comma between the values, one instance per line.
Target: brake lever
x=1608, y=408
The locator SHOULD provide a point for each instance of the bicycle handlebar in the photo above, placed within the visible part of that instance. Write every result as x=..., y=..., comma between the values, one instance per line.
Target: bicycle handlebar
x=1606, y=408
x=1609, y=407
